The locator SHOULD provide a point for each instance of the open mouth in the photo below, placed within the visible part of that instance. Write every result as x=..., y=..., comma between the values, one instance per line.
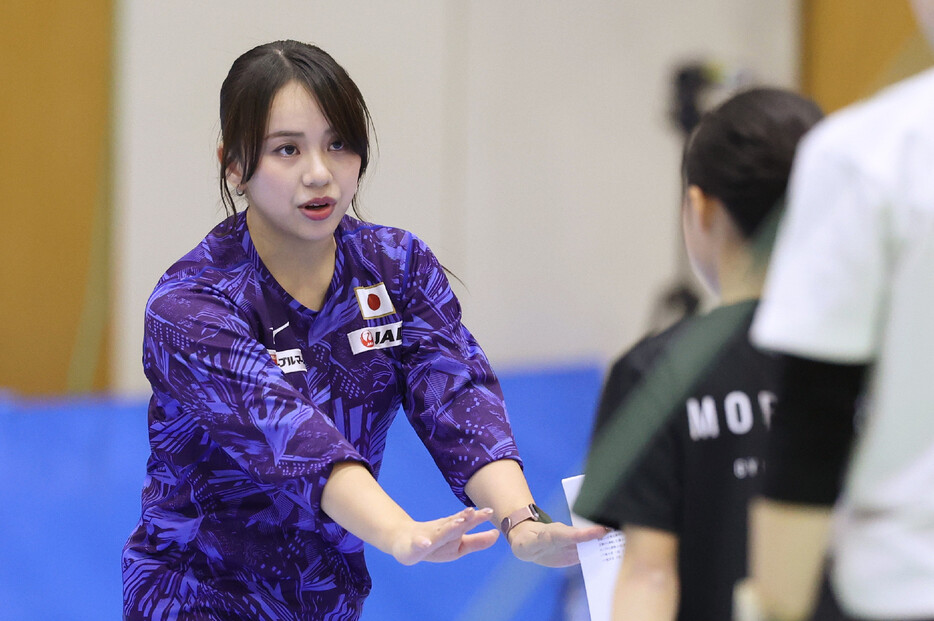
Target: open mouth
x=318, y=208
x=317, y=205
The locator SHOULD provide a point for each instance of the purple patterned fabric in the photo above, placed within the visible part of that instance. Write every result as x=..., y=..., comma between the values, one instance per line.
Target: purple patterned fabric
x=255, y=397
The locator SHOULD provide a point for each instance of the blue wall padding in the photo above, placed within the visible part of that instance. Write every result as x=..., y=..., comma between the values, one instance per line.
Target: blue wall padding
x=72, y=472
x=69, y=495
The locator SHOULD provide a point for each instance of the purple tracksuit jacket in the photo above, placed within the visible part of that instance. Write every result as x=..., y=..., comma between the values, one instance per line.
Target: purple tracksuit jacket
x=256, y=397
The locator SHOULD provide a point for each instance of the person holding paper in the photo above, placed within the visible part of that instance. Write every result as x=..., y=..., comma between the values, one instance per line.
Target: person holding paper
x=682, y=503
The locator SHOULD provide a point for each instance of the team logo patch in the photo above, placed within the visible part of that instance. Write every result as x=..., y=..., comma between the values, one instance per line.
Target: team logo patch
x=289, y=360
x=376, y=337
x=374, y=301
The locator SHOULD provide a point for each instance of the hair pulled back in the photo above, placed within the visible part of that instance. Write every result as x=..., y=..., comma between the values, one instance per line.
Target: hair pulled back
x=741, y=152
x=248, y=92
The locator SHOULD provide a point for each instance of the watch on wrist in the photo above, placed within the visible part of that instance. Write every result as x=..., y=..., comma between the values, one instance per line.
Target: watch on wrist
x=528, y=512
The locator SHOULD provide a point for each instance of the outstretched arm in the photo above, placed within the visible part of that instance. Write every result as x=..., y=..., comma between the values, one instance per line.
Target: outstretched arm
x=502, y=486
x=354, y=499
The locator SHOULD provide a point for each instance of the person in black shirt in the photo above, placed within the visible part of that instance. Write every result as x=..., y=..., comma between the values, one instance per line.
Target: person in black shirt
x=682, y=499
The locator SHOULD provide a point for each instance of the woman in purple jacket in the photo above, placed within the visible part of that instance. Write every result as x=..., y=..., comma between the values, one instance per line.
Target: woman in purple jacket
x=279, y=350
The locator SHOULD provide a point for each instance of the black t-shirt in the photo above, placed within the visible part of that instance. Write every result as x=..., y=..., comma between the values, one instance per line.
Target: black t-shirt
x=696, y=475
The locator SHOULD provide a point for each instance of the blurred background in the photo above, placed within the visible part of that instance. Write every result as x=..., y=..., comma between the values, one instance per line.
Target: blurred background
x=534, y=145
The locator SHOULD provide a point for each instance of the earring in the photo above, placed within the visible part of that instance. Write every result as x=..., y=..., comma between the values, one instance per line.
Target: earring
x=238, y=191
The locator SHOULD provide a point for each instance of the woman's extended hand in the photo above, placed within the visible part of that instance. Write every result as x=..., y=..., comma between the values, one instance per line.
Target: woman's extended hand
x=551, y=545
x=445, y=539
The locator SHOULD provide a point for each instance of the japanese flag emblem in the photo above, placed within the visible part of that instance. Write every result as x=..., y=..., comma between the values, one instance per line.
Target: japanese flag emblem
x=374, y=301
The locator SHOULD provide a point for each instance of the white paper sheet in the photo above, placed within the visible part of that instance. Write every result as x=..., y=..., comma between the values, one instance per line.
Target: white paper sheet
x=600, y=559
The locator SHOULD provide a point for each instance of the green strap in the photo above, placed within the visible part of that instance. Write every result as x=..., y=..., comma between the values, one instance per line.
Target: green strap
x=650, y=405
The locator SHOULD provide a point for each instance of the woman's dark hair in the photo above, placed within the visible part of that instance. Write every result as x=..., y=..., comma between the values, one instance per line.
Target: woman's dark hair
x=251, y=85
x=741, y=151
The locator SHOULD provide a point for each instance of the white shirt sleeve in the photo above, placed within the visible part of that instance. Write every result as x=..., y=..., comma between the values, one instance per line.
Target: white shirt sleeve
x=826, y=285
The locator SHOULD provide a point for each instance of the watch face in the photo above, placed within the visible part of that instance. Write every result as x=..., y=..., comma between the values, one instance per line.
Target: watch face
x=539, y=515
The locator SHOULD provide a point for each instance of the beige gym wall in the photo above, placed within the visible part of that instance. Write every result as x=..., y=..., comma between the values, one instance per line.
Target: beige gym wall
x=55, y=110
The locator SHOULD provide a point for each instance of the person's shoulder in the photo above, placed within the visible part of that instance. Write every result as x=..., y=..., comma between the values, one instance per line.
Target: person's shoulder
x=874, y=134
x=646, y=351
x=720, y=322
x=215, y=263
x=373, y=236
x=385, y=247
x=902, y=104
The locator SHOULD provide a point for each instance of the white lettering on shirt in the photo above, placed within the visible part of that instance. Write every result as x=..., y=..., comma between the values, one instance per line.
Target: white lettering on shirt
x=738, y=413
x=738, y=409
x=767, y=401
x=702, y=418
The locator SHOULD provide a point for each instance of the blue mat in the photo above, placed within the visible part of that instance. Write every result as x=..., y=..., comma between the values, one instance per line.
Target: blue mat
x=73, y=470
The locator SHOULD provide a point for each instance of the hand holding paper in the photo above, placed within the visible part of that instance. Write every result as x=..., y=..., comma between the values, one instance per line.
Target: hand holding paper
x=552, y=545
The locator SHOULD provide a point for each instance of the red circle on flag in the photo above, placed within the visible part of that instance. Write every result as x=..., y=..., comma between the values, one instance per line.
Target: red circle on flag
x=373, y=301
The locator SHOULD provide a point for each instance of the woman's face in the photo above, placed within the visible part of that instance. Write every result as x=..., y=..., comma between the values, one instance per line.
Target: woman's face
x=305, y=179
